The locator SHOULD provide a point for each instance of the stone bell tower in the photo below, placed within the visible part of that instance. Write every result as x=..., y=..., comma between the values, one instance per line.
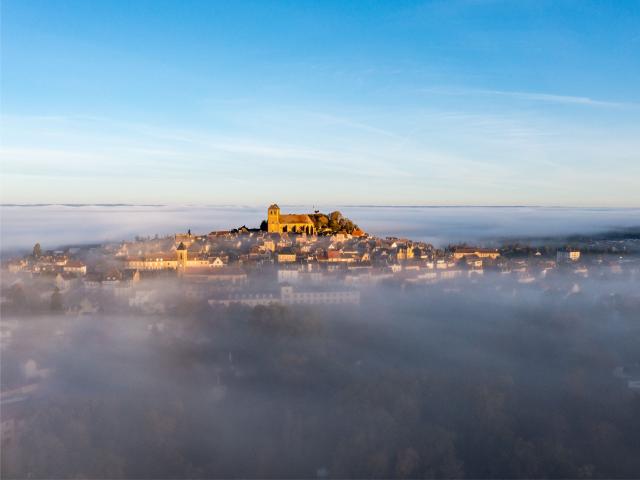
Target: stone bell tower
x=273, y=219
x=181, y=252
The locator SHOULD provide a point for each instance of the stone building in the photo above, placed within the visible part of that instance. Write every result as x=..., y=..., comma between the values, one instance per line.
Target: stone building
x=462, y=252
x=289, y=223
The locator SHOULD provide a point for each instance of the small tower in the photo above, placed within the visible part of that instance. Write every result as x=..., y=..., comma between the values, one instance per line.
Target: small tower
x=273, y=219
x=181, y=251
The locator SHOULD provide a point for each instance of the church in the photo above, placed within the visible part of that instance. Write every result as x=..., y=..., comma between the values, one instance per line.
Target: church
x=289, y=223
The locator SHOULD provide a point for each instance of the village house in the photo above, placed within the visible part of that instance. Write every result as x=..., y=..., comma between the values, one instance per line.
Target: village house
x=18, y=265
x=286, y=256
x=75, y=267
x=566, y=255
x=152, y=261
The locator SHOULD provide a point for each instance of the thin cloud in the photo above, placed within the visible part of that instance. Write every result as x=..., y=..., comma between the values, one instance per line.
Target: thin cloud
x=346, y=122
x=532, y=96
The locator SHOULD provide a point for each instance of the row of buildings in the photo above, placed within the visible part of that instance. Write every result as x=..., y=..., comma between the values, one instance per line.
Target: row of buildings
x=250, y=266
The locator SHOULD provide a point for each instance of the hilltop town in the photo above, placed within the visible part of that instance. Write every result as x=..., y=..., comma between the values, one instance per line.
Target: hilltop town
x=210, y=297
x=290, y=259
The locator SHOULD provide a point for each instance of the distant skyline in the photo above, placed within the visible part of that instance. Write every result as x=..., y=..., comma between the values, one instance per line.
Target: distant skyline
x=459, y=102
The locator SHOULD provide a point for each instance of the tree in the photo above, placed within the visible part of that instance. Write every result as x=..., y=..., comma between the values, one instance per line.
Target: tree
x=17, y=296
x=264, y=226
x=37, y=250
x=56, y=301
x=407, y=463
x=347, y=225
x=335, y=216
x=320, y=220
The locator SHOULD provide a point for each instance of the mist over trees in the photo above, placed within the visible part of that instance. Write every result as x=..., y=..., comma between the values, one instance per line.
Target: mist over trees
x=477, y=380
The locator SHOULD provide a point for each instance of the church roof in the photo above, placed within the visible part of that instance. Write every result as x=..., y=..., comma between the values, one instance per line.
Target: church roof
x=181, y=247
x=274, y=206
x=295, y=218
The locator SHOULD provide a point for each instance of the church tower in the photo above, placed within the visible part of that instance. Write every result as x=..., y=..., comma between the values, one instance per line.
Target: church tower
x=273, y=219
x=181, y=252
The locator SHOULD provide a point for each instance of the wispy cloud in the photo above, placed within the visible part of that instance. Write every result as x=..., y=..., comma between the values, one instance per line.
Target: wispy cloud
x=354, y=124
x=531, y=96
x=451, y=155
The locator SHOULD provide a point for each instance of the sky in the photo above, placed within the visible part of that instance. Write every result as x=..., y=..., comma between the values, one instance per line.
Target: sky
x=458, y=102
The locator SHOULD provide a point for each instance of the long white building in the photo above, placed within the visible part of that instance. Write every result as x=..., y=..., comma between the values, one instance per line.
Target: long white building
x=290, y=296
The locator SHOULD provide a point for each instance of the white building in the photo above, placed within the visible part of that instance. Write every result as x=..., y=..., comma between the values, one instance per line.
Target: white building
x=289, y=296
x=288, y=275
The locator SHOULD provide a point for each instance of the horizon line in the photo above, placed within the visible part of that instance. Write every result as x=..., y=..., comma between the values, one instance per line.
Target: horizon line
x=363, y=205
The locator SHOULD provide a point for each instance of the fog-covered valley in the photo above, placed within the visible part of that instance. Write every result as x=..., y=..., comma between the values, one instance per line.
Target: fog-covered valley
x=319, y=239
x=476, y=378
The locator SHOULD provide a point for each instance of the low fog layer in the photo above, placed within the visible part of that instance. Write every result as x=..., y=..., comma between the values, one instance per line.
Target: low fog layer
x=477, y=379
x=57, y=225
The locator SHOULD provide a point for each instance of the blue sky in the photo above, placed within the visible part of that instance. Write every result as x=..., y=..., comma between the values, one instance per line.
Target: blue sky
x=476, y=102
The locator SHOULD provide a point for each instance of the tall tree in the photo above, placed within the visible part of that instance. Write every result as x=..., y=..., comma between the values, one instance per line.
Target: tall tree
x=56, y=301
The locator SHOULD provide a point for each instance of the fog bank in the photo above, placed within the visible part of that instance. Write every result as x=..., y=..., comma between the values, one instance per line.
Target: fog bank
x=467, y=378
x=56, y=225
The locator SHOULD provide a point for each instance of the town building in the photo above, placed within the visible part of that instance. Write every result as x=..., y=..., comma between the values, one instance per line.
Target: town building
x=462, y=252
x=290, y=296
x=565, y=255
x=152, y=261
x=286, y=256
x=75, y=267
